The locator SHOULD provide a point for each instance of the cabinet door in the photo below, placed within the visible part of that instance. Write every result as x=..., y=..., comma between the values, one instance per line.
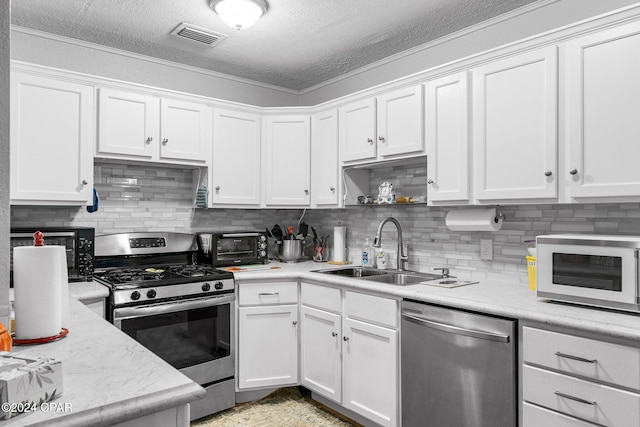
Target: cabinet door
x=602, y=95
x=515, y=126
x=447, y=130
x=358, y=131
x=324, y=155
x=267, y=346
x=127, y=124
x=320, y=347
x=185, y=130
x=370, y=371
x=52, y=134
x=400, y=122
x=287, y=157
x=236, y=158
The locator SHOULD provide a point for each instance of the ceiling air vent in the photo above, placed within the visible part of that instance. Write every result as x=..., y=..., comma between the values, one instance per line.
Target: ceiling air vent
x=198, y=35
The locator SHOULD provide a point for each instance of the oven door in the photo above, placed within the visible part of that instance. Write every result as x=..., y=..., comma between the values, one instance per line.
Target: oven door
x=195, y=336
x=599, y=275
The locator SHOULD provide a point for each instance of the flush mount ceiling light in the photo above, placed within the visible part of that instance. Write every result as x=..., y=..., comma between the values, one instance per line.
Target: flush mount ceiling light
x=239, y=14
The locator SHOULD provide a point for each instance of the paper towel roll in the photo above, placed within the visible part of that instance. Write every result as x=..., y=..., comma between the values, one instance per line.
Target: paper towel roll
x=339, y=240
x=64, y=290
x=473, y=220
x=37, y=286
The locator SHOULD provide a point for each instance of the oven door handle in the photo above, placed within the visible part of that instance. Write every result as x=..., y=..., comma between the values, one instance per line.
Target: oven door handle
x=170, y=307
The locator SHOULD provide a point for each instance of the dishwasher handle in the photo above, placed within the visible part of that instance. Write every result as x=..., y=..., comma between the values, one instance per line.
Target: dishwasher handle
x=456, y=329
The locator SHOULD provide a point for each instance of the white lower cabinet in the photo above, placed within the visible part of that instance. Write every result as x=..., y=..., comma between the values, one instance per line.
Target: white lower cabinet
x=568, y=380
x=349, y=350
x=267, y=335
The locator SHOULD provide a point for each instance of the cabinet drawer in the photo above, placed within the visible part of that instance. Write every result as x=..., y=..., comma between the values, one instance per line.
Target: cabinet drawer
x=383, y=311
x=603, y=361
x=323, y=297
x=579, y=398
x=535, y=416
x=268, y=293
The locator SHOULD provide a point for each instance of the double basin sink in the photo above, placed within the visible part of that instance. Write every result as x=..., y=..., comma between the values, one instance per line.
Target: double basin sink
x=391, y=277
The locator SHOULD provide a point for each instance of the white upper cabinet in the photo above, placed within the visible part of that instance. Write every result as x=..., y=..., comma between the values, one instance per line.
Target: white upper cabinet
x=236, y=158
x=400, y=122
x=324, y=155
x=602, y=112
x=386, y=127
x=286, y=160
x=52, y=135
x=447, y=138
x=139, y=126
x=358, y=131
x=515, y=126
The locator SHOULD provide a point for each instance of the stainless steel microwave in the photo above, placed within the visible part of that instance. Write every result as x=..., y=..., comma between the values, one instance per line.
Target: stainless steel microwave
x=595, y=270
x=232, y=248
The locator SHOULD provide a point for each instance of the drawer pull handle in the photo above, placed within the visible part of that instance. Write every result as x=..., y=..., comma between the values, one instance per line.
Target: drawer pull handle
x=576, y=399
x=268, y=294
x=579, y=359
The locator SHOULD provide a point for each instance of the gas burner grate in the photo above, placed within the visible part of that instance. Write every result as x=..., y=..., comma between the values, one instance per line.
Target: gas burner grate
x=191, y=270
x=134, y=275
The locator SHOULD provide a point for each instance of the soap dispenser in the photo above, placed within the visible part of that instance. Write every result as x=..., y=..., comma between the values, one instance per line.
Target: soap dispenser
x=367, y=255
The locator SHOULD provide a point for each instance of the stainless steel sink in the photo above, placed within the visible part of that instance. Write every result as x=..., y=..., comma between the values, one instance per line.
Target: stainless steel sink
x=403, y=279
x=353, y=272
x=392, y=277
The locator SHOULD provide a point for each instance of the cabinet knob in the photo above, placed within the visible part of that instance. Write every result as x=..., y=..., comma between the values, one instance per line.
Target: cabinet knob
x=334, y=334
x=164, y=141
x=370, y=141
x=84, y=182
x=148, y=140
x=381, y=139
x=549, y=173
x=333, y=189
x=295, y=322
x=430, y=181
x=306, y=191
x=217, y=188
x=573, y=171
x=345, y=338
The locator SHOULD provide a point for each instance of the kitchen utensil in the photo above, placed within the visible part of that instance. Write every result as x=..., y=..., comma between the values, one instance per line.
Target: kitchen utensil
x=276, y=231
x=303, y=229
x=290, y=250
x=290, y=232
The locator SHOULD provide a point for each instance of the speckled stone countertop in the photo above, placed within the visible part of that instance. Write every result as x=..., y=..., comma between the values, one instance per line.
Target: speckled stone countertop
x=87, y=291
x=492, y=297
x=107, y=376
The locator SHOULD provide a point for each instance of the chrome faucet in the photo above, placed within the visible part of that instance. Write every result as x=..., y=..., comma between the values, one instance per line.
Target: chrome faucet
x=377, y=241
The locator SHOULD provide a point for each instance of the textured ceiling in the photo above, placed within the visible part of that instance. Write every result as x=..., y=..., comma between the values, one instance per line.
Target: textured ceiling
x=297, y=43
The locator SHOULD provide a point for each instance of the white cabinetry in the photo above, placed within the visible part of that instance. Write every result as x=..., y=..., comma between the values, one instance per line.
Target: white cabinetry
x=350, y=355
x=570, y=380
x=52, y=134
x=267, y=334
x=324, y=152
x=236, y=158
x=140, y=126
x=287, y=158
x=515, y=126
x=602, y=102
x=447, y=137
x=388, y=126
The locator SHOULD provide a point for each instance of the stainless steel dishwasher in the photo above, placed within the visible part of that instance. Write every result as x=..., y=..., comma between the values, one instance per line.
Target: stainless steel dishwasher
x=458, y=368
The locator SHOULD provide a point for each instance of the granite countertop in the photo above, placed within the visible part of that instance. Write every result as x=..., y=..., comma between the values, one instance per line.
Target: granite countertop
x=489, y=296
x=107, y=376
x=87, y=291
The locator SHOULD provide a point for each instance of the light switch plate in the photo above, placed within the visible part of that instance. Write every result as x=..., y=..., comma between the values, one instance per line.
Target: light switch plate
x=486, y=249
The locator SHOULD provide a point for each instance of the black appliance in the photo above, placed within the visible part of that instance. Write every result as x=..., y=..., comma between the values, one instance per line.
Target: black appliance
x=232, y=248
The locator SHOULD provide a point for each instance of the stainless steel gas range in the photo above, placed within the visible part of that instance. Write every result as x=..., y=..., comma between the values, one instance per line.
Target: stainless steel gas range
x=181, y=311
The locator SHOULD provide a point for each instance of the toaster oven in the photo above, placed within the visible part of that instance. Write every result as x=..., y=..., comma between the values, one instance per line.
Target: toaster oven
x=232, y=248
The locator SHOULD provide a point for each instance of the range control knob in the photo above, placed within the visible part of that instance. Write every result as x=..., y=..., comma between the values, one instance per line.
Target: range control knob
x=219, y=285
x=206, y=287
x=151, y=293
x=135, y=295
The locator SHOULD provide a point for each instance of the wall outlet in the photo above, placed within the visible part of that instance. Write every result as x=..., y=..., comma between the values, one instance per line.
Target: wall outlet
x=486, y=249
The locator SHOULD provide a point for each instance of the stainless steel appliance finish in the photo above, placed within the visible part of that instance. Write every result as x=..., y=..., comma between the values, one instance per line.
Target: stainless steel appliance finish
x=232, y=248
x=176, y=308
x=402, y=257
x=78, y=243
x=596, y=270
x=458, y=368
